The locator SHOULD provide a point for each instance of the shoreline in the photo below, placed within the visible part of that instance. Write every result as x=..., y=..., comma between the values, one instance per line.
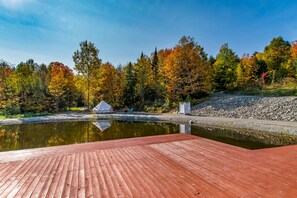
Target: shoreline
x=254, y=125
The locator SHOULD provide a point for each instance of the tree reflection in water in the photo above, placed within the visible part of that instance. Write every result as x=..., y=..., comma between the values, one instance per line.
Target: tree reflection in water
x=24, y=136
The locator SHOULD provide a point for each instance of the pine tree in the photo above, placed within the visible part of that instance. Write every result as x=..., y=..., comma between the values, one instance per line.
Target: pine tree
x=155, y=66
x=143, y=74
x=129, y=88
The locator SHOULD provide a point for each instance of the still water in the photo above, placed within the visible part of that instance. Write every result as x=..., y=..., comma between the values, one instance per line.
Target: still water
x=25, y=136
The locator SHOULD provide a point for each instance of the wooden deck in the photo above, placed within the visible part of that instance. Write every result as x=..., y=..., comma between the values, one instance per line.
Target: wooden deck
x=161, y=166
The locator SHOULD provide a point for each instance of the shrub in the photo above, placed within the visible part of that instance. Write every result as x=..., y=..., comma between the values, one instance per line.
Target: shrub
x=11, y=109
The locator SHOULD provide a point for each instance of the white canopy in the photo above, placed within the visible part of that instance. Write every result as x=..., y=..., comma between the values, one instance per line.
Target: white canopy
x=102, y=107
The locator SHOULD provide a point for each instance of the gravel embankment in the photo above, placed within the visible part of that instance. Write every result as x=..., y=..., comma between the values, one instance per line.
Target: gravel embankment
x=248, y=107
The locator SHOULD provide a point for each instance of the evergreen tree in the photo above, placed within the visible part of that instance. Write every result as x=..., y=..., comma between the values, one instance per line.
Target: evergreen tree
x=156, y=92
x=211, y=60
x=155, y=66
x=129, y=88
x=143, y=75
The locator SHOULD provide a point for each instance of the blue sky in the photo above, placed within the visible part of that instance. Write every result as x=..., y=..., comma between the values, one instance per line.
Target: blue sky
x=51, y=30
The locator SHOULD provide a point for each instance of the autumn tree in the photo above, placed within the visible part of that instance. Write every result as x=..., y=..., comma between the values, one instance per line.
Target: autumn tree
x=225, y=69
x=246, y=71
x=170, y=73
x=185, y=71
x=104, y=82
x=260, y=64
x=162, y=78
x=8, y=89
x=193, y=67
x=29, y=87
x=108, y=85
x=86, y=62
x=294, y=50
x=80, y=83
x=276, y=55
x=4, y=73
x=61, y=85
x=292, y=65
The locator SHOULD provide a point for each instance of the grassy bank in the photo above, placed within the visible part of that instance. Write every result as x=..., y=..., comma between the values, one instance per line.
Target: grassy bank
x=285, y=88
x=30, y=114
x=23, y=115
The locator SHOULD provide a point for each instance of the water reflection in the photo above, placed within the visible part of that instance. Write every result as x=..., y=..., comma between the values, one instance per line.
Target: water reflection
x=185, y=128
x=16, y=137
x=102, y=124
x=246, y=139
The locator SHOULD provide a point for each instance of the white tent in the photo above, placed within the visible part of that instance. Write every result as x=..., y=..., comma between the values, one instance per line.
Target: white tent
x=103, y=107
x=102, y=124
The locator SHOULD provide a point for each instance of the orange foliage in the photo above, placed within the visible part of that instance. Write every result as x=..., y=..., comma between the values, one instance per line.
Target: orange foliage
x=294, y=50
x=109, y=85
x=249, y=68
x=61, y=79
x=106, y=82
x=170, y=72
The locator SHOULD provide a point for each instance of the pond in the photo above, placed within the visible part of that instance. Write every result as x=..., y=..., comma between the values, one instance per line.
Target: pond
x=25, y=136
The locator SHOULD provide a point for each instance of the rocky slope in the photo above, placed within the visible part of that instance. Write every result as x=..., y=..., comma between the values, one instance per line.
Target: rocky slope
x=256, y=107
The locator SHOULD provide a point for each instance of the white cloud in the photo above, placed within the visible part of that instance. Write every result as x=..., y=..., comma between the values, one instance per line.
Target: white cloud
x=15, y=4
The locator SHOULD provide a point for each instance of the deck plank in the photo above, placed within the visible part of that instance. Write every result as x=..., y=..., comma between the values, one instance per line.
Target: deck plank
x=159, y=166
x=60, y=183
x=49, y=178
x=43, y=177
x=23, y=178
x=27, y=188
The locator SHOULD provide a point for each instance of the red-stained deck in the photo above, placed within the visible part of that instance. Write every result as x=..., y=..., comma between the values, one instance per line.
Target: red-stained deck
x=159, y=166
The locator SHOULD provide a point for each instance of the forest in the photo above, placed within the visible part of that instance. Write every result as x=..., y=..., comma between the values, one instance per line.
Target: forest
x=155, y=82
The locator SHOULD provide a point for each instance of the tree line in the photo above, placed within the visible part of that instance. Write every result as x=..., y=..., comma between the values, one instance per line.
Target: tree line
x=162, y=79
